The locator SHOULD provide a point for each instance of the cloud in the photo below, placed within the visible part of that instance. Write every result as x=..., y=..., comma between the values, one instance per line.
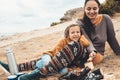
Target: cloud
x=29, y=14
x=18, y=15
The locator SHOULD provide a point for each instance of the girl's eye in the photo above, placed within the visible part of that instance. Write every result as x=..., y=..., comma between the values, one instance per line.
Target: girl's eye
x=72, y=32
x=75, y=32
x=78, y=32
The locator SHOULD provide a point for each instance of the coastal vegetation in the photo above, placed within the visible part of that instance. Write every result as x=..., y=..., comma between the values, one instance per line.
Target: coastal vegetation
x=110, y=7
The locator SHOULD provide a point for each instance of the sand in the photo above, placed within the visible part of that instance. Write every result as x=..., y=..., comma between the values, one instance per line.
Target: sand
x=26, y=45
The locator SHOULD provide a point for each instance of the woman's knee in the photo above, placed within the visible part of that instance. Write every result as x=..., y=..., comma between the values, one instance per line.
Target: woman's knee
x=98, y=59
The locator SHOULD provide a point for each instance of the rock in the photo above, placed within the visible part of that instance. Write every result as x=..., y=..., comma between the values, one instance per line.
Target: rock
x=109, y=76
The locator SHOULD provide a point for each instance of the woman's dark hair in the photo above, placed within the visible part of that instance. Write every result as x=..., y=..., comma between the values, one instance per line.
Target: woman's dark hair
x=97, y=1
x=88, y=26
x=66, y=32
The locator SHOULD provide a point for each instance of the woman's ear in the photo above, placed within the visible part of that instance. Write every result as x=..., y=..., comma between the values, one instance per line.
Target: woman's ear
x=84, y=8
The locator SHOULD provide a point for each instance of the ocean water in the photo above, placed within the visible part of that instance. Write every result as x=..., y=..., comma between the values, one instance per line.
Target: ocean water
x=26, y=15
x=5, y=34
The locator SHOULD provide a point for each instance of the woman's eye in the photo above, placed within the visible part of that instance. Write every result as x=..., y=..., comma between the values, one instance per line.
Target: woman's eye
x=95, y=8
x=88, y=8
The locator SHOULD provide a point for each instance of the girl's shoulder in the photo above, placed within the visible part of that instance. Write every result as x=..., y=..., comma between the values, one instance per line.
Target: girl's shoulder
x=63, y=40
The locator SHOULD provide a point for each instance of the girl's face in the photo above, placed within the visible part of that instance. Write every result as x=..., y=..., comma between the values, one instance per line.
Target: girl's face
x=91, y=9
x=74, y=33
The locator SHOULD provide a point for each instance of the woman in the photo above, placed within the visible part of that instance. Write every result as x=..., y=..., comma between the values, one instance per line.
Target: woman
x=98, y=28
x=67, y=53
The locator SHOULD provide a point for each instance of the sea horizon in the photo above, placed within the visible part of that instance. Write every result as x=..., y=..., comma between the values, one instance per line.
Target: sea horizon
x=27, y=15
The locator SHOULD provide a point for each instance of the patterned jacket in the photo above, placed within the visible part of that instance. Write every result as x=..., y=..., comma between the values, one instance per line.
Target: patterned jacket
x=61, y=44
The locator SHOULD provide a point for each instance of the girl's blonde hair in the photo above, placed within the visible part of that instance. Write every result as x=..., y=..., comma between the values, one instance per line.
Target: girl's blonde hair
x=66, y=32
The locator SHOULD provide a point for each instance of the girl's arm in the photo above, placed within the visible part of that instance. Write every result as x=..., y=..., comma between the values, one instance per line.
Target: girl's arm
x=56, y=48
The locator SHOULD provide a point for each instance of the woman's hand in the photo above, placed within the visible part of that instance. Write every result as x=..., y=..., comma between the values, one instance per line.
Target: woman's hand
x=92, y=55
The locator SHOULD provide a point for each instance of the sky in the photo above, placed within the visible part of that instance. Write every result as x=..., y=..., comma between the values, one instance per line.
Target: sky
x=26, y=15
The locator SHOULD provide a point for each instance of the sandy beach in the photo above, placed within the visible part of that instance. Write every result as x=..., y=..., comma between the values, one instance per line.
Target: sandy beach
x=26, y=45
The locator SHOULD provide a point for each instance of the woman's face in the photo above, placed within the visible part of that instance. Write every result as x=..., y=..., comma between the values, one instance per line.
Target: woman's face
x=74, y=33
x=91, y=9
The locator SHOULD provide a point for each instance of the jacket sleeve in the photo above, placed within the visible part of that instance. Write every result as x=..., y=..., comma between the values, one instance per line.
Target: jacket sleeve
x=57, y=48
x=111, y=36
x=84, y=41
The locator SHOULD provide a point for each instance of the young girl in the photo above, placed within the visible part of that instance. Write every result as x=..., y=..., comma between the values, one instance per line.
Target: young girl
x=70, y=51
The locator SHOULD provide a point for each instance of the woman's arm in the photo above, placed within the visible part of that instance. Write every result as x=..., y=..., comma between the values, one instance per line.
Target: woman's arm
x=90, y=48
x=111, y=36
